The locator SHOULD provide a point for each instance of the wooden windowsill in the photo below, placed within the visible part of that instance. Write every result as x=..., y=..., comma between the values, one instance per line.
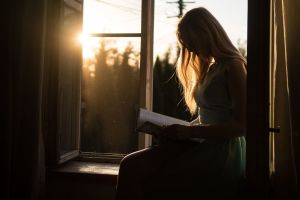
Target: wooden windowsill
x=105, y=171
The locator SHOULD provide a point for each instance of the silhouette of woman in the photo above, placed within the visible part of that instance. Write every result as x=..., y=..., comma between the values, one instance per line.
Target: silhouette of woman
x=206, y=160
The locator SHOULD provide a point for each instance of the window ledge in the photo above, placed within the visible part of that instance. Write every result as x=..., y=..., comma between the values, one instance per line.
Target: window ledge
x=106, y=171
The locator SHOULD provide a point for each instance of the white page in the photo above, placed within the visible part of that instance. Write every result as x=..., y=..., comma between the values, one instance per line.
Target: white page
x=146, y=119
x=158, y=119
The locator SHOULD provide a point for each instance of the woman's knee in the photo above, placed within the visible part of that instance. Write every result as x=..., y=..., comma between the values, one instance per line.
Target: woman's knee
x=132, y=160
x=127, y=162
x=137, y=161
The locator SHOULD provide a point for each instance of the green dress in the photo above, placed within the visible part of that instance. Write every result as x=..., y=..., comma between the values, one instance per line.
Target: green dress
x=209, y=169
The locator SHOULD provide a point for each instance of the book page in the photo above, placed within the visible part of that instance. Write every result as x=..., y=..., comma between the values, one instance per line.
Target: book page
x=152, y=123
x=157, y=119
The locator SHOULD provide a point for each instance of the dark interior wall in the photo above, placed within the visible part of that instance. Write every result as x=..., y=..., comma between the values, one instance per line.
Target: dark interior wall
x=6, y=100
x=21, y=69
x=23, y=31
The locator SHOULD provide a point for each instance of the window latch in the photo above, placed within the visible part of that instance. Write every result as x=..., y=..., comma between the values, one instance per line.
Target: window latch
x=274, y=130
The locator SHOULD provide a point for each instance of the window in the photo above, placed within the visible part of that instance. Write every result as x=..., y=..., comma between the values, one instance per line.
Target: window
x=111, y=68
x=97, y=93
x=61, y=89
x=117, y=61
x=125, y=78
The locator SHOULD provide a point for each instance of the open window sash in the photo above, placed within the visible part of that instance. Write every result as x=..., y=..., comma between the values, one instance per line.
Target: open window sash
x=62, y=81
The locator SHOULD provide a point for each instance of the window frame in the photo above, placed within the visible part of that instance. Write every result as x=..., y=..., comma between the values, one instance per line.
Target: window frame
x=258, y=48
x=258, y=66
x=146, y=78
x=52, y=80
x=53, y=84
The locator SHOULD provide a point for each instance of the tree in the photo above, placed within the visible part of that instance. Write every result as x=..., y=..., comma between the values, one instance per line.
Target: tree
x=242, y=47
x=111, y=95
x=167, y=94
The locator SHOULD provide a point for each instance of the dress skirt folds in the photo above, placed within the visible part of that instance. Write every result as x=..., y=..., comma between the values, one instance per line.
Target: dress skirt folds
x=213, y=169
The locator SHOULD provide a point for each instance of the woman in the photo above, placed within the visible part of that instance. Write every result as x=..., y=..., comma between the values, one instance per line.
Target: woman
x=213, y=76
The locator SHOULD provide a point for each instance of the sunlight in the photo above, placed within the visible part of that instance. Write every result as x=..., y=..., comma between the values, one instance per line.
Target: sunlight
x=89, y=45
x=112, y=16
x=95, y=20
x=81, y=38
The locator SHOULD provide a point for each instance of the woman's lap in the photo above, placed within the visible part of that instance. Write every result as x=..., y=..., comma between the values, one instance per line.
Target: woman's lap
x=154, y=156
x=181, y=166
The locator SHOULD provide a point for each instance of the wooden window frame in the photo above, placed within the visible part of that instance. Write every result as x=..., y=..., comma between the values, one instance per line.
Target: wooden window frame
x=53, y=101
x=258, y=48
x=258, y=51
x=52, y=81
x=146, y=78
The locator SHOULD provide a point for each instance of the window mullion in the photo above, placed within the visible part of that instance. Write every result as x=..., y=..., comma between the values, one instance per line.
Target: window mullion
x=115, y=34
x=146, y=69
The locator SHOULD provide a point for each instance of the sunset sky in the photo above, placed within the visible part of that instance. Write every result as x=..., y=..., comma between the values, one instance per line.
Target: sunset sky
x=116, y=16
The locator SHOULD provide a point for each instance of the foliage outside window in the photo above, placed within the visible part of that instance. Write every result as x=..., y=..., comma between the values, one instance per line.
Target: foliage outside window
x=111, y=76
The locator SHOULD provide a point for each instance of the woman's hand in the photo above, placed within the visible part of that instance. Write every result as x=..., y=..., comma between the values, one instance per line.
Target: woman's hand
x=175, y=132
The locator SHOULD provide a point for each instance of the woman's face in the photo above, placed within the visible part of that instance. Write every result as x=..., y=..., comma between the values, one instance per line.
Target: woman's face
x=194, y=40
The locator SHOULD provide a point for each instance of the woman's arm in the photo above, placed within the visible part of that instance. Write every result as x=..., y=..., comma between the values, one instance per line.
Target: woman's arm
x=235, y=126
x=195, y=122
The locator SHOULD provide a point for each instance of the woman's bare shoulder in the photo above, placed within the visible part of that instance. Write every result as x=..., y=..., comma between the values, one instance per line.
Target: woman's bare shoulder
x=236, y=66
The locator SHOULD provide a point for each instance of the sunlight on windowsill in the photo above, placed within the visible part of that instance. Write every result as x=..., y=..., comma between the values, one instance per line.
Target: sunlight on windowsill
x=99, y=168
x=89, y=168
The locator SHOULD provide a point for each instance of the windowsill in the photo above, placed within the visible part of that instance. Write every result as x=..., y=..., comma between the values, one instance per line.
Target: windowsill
x=104, y=171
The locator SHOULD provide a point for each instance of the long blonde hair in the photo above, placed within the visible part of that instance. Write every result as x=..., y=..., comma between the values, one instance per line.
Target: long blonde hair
x=201, y=39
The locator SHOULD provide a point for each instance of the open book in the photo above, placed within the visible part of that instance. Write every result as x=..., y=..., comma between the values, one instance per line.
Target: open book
x=152, y=123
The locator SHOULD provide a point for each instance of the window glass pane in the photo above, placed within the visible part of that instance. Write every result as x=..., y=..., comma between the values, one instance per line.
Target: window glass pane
x=69, y=79
x=112, y=16
x=110, y=94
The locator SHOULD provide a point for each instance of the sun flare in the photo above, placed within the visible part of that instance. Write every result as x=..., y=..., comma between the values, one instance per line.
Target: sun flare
x=81, y=38
x=89, y=45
